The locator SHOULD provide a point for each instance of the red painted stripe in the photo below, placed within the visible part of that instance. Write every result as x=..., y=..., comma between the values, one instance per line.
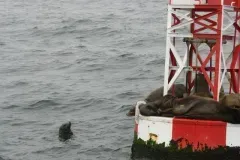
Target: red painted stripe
x=136, y=128
x=212, y=133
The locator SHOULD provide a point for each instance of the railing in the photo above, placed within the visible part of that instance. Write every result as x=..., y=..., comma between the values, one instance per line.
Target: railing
x=233, y=3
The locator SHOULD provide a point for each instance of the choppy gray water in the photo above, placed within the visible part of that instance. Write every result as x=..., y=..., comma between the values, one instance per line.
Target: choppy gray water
x=84, y=61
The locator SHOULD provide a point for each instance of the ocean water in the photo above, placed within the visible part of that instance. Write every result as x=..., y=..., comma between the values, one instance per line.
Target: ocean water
x=84, y=61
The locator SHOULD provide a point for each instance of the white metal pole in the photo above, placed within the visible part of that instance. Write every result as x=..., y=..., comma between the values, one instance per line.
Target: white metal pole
x=167, y=54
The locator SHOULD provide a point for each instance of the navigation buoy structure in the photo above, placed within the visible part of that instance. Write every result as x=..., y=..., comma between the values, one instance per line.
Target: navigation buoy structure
x=202, y=36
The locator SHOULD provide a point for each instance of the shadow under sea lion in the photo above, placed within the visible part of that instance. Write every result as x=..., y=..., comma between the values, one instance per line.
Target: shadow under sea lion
x=179, y=91
x=65, y=132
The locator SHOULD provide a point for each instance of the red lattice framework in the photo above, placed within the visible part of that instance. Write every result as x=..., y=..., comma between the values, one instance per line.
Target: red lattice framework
x=207, y=26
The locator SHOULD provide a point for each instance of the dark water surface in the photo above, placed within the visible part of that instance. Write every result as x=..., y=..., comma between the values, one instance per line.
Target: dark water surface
x=84, y=61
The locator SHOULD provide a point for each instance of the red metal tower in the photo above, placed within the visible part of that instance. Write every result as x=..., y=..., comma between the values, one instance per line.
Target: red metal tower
x=197, y=22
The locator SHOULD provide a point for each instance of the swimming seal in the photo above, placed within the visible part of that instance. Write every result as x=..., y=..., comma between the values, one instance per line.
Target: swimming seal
x=65, y=131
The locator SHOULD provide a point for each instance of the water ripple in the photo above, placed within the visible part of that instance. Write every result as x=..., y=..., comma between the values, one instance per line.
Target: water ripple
x=87, y=61
x=11, y=107
x=42, y=104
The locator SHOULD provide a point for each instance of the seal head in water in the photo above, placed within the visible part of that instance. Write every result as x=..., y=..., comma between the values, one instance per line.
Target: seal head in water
x=65, y=131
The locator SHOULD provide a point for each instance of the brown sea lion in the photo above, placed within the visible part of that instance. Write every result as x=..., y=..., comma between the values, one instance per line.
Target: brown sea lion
x=201, y=86
x=179, y=90
x=208, y=95
x=199, y=108
x=148, y=110
x=192, y=107
x=131, y=112
x=164, y=106
x=203, y=94
x=222, y=93
x=231, y=100
x=161, y=107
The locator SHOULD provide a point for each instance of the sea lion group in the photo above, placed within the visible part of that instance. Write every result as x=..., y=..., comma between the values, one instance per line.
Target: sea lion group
x=179, y=90
x=197, y=105
x=193, y=107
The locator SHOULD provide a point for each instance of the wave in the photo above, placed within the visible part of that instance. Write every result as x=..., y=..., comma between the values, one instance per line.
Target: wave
x=11, y=107
x=126, y=55
x=81, y=46
x=80, y=37
x=89, y=102
x=94, y=67
x=139, y=77
x=2, y=44
x=42, y=103
x=85, y=59
x=72, y=21
x=81, y=21
x=1, y=158
x=62, y=53
x=23, y=123
x=16, y=84
x=65, y=66
x=156, y=62
x=50, y=149
x=128, y=94
x=125, y=108
x=96, y=149
x=112, y=32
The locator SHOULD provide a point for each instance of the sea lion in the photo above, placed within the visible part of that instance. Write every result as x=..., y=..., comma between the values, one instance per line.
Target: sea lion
x=179, y=90
x=65, y=131
x=208, y=95
x=193, y=107
x=161, y=107
x=231, y=100
x=131, y=112
x=201, y=86
x=199, y=108
x=148, y=110
x=202, y=94
x=157, y=94
x=222, y=93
